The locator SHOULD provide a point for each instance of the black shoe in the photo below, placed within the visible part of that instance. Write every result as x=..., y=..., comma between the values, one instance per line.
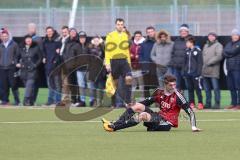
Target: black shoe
x=207, y=106
x=48, y=104
x=81, y=104
x=93, y=103
x=27, y=102
x=16, y=103
x=216, y=106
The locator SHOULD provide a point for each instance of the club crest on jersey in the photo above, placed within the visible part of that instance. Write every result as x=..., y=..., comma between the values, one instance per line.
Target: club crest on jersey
x=195, y=53
x=172, y=99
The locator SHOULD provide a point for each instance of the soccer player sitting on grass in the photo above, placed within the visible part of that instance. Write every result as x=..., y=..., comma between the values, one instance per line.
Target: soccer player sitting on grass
x=170, y=100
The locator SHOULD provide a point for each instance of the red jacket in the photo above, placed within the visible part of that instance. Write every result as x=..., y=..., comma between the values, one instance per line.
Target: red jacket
x=134, y=53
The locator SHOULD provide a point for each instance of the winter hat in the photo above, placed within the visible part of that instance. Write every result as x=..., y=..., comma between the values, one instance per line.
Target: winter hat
x=184, y=27
x=212, y=34
x=5, y=31
x=235, y=32
x=82, y=34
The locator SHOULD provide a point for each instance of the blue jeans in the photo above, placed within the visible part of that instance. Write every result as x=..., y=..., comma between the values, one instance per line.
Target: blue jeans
x=54, y=89
x=99, y=86
x=161, y=71
x=83, y=84
x=207, y=83
x=233, y=78
x=178, y=74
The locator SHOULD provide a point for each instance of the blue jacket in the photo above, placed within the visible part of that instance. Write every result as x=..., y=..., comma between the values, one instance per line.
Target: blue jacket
x=232, y=54
x=145, y=60
x=8, y=55
x=145, y=50
x=49, y=52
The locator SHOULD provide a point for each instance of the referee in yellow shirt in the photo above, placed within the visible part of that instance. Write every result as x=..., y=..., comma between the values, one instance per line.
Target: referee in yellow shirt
x=117, y=56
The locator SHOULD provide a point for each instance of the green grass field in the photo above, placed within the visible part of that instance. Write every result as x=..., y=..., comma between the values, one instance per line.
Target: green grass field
x=43, y=94
x=36, y=134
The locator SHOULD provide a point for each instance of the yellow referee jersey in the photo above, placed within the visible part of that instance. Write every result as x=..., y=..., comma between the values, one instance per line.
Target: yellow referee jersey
x=117, y=47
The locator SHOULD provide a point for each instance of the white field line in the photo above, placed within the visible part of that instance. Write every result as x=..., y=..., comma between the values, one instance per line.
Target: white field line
x=42, y=122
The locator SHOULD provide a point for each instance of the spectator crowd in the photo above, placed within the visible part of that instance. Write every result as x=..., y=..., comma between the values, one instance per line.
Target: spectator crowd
x=136, y=63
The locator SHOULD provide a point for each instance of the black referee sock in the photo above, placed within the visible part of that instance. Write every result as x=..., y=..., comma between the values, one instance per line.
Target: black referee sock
x=125, y=124
x=125, y=116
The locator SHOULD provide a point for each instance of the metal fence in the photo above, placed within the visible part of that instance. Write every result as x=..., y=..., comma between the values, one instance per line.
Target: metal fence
x=100, y=20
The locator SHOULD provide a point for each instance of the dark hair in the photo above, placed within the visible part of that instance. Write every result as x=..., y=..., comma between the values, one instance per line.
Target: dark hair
x=65, y=27
x=49, y=27
x=27, y=36
x=119, y=20
x=137, y=32
x=191, y=39
x=150, y=27
x=169, y=78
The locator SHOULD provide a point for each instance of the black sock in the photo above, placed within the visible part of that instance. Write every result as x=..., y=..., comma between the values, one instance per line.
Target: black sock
x=147, y=109
x=125, y=124
x=125, y=116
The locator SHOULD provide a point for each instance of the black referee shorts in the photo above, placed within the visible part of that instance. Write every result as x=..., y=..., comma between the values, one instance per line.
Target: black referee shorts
x=120, y=67
x=157, y=123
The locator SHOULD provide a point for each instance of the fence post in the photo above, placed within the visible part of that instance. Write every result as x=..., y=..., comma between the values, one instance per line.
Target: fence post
x=113, y=13
x=126, y=15
x=218, y=19
x=237, y=13
x=184, y=13
x=53, y=11
x=40, y=17
x=83, y=18
x=48, y=12
x=175, y=6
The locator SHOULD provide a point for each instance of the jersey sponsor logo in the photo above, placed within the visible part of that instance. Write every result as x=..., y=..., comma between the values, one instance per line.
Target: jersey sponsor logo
x=165, y=105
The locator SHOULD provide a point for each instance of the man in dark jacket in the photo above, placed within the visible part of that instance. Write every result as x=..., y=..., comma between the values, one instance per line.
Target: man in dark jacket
x=147, y=66
x=8, y=53
x=71, y=50
x=28, y=60
x=232, y=54
x=179, y=50
x=51, y=50
x=32, y=31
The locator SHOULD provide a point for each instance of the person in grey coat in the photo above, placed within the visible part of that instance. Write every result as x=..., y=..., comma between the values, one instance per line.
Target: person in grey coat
x=212, y=56
x=161, y=54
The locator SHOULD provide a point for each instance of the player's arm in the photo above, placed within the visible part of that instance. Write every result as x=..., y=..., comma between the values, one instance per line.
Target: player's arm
x=181, y=100
x=148, y=101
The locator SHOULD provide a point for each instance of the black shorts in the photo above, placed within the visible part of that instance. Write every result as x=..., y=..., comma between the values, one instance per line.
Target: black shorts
x=120, y=67
x=157, y=123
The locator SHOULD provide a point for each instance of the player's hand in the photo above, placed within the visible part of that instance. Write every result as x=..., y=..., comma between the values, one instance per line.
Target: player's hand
x=195, y=129
x=44, y=60
x=108, y=68
x=18, y=65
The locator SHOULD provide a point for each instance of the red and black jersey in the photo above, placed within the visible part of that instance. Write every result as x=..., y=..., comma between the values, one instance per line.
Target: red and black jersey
x=170, y=106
